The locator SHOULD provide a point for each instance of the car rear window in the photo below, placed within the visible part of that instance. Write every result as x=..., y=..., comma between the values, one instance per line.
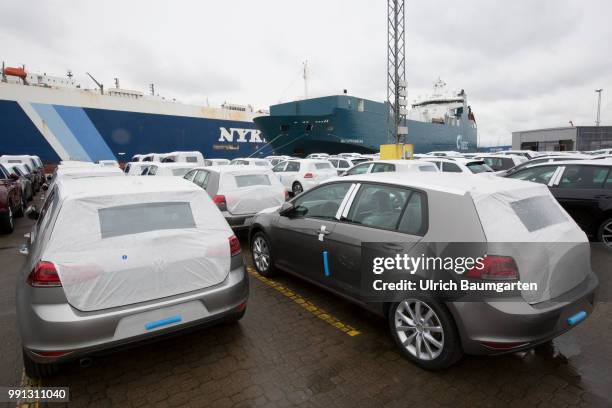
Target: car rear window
x=428, y=168
x=538, y=212
x=248, y=180
x=137, y=218
x=478, y=167
x=321, y=166
x=180, y=171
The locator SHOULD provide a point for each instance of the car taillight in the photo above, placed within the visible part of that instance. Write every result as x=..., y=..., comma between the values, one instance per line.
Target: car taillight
x=286, y=195
x=220, y=201
x=44, y=275
x=495, y=267
x=234, y=245
x=308, y=175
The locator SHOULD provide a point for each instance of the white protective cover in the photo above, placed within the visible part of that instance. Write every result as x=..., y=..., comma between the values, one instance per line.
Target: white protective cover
x=99, y=273
x=250, y=199
x=555, y=253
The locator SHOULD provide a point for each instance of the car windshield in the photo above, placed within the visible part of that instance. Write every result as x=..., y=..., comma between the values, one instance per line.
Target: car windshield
x=321, y=166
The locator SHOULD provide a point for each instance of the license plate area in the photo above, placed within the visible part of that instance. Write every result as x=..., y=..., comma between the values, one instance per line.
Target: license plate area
x=160, y=319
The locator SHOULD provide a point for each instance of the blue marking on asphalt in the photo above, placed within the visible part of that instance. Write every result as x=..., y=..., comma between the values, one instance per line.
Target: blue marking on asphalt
x=578, y=317
x=163, y=322
x=326, y=264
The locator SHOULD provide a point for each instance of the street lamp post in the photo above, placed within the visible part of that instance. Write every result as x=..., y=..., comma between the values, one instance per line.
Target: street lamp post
x=598, y=120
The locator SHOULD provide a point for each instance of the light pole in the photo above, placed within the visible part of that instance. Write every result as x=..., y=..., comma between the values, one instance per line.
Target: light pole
x=598, y=120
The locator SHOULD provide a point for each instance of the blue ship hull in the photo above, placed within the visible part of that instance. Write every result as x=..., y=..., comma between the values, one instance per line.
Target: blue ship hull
x=81, y=133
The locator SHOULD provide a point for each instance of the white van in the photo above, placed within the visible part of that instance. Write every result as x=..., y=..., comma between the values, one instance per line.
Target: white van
x=196, y=158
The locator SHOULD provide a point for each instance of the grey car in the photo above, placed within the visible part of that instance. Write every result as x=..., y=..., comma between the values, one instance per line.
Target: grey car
x=122, y=260
x=329, y=235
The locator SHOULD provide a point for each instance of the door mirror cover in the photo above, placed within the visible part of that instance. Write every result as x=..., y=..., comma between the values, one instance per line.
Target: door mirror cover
x=286, y=209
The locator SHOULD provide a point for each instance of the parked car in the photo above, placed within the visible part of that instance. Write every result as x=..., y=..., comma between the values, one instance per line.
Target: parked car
x=321, y=236
x=317, y=156
x=152, y=157
x=122, y=260
x=34, y=167
x=528, y=154
x=27, y=191
x=342, y=164
x=500, y=162
x=448, y=153
x=216, y=162
x=250, y=162
x=600, y=152
x=583, y=188
x=384, y=166
x=137, y=158
x=108, y=163
x=239, y=191
x=169, y=169
x=11, y=201
x=299, y=175
x=196, y=158
x=460, y=165
x=274, y=160
x=136, y=168
x=543, y=159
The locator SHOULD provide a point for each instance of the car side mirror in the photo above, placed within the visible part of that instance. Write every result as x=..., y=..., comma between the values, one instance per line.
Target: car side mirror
x=342, y=173
x=32, y=212
x=14, y=177
x=286, y=209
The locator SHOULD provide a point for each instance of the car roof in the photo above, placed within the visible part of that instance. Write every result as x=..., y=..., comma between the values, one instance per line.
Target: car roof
x=452, y=183
x=591, y=162
x=113, y=186
x=233, y=168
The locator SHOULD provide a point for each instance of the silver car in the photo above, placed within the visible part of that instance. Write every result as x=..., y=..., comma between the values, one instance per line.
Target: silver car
x=117, y=260
x=339, y=235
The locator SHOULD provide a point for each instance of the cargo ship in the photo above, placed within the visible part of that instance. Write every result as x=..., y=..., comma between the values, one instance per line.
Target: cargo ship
x=345, y=123
x=56, y=119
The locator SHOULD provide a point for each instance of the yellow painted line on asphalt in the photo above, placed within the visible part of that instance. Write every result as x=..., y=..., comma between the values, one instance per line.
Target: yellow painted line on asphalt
x=306, y=304
x=25, y=383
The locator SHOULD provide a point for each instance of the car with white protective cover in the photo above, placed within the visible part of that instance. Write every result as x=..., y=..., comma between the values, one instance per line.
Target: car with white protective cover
x=460, y=165
x=249, y=161
x=299, y=175
x=333, y=235
x=239, y=191
x=216, y=162
x=122, y=260
x=196, y=158
x=136, y=168
x=386, y=166
x=169, y=169
x=501, y=162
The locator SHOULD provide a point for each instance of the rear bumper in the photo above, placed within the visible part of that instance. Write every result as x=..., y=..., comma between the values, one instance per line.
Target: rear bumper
x=509, y=326
x=61, y=328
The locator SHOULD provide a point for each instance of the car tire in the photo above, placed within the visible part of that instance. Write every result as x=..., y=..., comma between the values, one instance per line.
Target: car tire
x=261, y=252
x=604, y=233
x=20, y=210
x=7, y=222
x=37, y=370
x=432, y=333
x=297, y=188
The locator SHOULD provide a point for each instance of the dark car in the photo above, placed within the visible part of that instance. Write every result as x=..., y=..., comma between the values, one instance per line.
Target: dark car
x=328, y=236
x=11, y=203
x=27, y=191
x=583, y=188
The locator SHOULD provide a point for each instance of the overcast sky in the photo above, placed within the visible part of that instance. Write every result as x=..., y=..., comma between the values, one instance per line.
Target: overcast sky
x=524, y=64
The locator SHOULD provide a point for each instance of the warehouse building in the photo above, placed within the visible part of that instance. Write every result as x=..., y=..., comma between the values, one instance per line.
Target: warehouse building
x=581, y=138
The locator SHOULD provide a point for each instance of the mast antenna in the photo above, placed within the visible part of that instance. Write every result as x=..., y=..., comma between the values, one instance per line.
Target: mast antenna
x=598, y=120
x=396, y=71
x=306, y=77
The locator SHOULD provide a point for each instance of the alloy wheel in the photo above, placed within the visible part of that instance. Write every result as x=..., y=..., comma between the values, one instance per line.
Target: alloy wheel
x=261, y=254
x=419, y=329
x=606, y=234
x=297, y=189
